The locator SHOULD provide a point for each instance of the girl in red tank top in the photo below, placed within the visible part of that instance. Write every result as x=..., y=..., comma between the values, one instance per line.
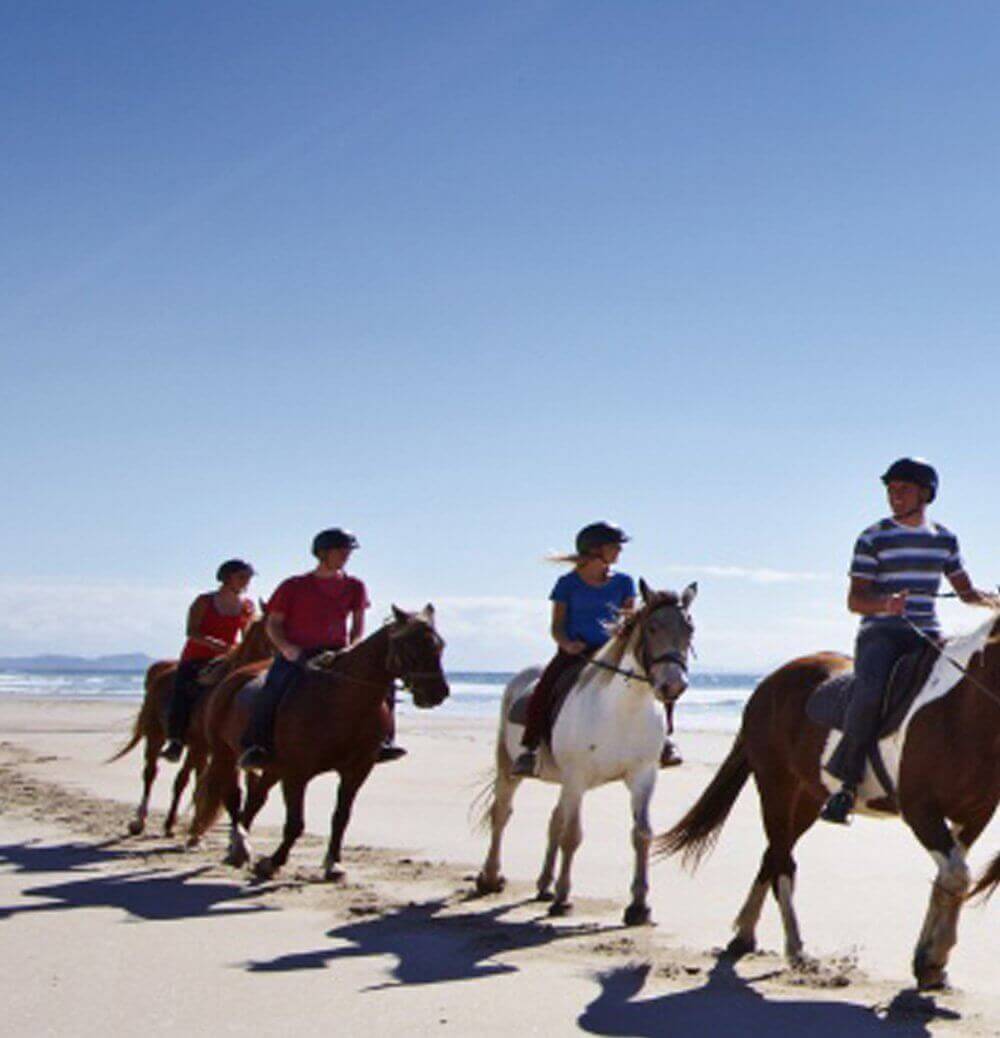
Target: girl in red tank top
x=215, y=622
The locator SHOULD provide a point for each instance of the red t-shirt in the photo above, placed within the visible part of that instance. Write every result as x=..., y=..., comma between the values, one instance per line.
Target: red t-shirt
x=214, y=624
x=315, y=609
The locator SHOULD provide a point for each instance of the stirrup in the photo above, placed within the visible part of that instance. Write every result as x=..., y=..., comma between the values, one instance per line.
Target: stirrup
x=173, y=751
x=526, y=765
x=839, y=808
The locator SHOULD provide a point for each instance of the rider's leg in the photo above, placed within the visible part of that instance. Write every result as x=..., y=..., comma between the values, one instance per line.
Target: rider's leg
x=258, y=737
x=538, y=709
x=389, y=750
x=182, y=698
x=877, y=649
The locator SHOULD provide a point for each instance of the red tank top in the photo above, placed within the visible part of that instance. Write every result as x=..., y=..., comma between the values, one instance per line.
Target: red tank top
x=217, y=625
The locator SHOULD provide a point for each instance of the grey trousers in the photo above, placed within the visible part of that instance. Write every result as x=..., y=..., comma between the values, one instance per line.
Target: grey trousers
x=876, y=650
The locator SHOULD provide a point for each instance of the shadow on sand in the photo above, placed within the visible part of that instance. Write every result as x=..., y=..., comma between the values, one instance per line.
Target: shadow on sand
x=151, y=894
x=432, y=948
x=728, y=1005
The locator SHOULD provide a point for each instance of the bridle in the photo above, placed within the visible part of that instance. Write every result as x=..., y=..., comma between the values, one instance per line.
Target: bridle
x=648, y=662
x=396, y=664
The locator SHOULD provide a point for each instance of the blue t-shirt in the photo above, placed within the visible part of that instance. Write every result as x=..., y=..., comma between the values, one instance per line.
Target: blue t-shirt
x=589, y=608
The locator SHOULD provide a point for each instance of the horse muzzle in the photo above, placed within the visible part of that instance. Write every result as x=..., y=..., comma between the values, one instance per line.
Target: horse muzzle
x=430, y=692
x=669, y=680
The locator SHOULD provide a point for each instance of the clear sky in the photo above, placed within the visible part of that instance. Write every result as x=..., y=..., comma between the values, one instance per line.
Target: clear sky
x=465, y=276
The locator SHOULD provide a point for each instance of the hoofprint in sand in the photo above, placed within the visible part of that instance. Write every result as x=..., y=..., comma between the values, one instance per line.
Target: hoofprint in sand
x=402, y=947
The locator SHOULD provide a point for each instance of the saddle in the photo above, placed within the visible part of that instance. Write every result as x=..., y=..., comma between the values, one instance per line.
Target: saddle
x=518, y=712
x=828, y=704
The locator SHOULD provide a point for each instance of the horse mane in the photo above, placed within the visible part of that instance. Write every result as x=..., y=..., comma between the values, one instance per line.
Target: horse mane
x=625, y=631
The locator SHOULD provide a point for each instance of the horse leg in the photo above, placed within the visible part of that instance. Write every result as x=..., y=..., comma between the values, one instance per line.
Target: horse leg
x=350, y=783
x=940, y=930
x=490, y=880
x=641, y=787
x=258, y=787
x=294, y=791
x=569, y=841
x=789, y=809
x=152, y=752
x=543, y=891
x=180, y=784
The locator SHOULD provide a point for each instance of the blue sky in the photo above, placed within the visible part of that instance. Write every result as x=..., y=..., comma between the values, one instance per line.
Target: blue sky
x=463, y=277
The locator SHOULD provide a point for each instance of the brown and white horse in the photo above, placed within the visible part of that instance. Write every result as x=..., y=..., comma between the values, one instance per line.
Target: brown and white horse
x=945, y=760
x=332, y=720
x=150, y=722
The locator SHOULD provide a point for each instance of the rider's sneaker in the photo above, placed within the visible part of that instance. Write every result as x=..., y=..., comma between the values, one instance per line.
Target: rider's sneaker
x=255, y=757
x=839, y=808
x=669, y=757
x=172, y=751
x=526, y=765
x=389, y=751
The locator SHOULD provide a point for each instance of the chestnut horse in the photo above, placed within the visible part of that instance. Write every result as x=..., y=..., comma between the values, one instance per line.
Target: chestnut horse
x=150, y=722
x=611, y=727
x=334, y=719
x=944, y=759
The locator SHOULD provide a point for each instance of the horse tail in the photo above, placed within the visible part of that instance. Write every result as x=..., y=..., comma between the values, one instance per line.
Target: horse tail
x=146, y=717
x=483, y=803
x=695, y=834
x=208, y=797
x=988, y=881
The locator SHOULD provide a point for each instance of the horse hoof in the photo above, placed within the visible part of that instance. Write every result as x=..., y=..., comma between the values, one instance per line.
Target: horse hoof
x=740, y=946
x=544, y=895
x=486, y=886
x=560, y=908
x=334, y=874
x=636, y=915
x=168, y=831
x=265, y=869
x=136, y=826
x=192, y=843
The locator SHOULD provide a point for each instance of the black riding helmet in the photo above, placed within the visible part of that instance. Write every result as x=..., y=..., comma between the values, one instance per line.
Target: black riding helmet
x=596, y=535
x=913, y=470
x=231, y=566
x=325, y=540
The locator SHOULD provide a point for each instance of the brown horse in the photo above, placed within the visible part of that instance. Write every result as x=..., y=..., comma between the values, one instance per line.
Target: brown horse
x=946, y=758
x=334, y=719
x=150, y=722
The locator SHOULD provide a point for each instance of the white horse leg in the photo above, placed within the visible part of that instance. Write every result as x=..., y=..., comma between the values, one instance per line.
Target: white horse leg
x=570, y=838
x=745, y=925
x=490, y=879
x=543, y=891
x=641, y=786
x=784, y=889
x=940, y=930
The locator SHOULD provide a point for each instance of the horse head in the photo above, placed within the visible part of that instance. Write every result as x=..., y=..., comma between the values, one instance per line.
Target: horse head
x=414, y=657
x=664, y=641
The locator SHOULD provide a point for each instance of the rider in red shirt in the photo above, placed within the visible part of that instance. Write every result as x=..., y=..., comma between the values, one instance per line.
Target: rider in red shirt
x=309, y=614
x=216, y=620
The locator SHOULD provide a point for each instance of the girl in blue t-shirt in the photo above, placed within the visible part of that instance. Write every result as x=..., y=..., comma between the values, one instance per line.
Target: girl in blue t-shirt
x=584, y=602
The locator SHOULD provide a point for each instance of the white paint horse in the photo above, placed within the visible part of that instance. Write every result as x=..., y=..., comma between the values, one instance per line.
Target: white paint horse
x=611, y=726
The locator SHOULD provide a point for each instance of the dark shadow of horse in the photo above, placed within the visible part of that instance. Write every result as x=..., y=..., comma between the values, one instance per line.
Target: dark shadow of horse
x=36, y=856
x=431, y=948
x=149, y=894
x=728, y=1005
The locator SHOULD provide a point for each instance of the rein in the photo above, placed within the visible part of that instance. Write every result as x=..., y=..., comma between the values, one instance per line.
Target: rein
x=958, y=666
x=670, y=656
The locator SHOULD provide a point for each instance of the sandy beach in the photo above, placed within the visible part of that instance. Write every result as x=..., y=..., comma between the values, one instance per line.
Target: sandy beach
x=109, y=933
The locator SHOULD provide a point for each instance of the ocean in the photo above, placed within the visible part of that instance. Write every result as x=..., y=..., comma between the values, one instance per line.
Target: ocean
x=713, y=702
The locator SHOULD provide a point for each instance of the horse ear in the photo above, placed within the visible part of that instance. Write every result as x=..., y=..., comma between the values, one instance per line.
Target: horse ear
x=263, y=606
x=428, y=613
x=399, y=615
x=689, y=594
x=644, y=590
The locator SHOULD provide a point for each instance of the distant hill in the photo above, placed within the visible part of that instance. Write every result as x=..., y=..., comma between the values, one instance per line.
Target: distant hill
x=125, y=661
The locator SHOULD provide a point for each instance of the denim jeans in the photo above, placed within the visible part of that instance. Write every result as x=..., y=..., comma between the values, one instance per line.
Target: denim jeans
x=186, y=692
x=876, y=650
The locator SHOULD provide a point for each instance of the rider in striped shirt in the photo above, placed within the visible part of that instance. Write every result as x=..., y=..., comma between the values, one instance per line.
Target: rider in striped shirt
x=895, y=576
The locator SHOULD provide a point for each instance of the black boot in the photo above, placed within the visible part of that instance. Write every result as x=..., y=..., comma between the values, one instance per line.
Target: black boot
x=253, y=758
x=839, y=807
x=389, y=751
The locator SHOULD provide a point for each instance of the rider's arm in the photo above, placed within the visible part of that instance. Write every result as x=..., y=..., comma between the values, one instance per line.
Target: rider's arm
x=967, y=593
x=558, y=630
x=195, y=615
x=863, y=599
x=357, y=631
x=276, y=632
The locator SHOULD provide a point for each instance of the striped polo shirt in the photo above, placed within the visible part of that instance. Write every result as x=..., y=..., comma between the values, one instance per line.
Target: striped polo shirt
x=907, y=558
